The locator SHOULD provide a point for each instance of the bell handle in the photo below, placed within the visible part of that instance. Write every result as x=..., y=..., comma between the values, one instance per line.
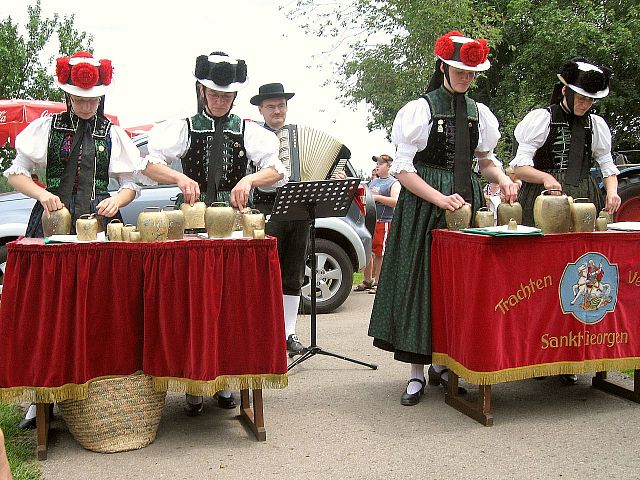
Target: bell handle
x=551, y=190
x=219, y=204
x=587, y=200
x=87, y=216
x=172, y=207
x=483, y=209
x=152, y=209
x=115, y=220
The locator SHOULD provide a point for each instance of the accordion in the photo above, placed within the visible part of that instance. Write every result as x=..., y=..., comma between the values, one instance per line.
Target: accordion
x=307, y=154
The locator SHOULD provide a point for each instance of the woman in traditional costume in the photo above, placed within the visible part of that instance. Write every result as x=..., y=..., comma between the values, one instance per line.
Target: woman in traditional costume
x=437, y=137
x=557, y=145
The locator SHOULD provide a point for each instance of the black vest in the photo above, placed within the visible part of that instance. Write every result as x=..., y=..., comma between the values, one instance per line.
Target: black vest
x=554, y=153
x=63, y=127
x=441, y=145
x=195, y=162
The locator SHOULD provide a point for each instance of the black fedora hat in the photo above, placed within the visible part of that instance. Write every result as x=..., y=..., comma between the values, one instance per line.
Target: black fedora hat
x=270, y=90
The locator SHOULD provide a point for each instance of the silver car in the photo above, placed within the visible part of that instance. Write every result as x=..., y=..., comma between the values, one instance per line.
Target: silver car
x=343, y=245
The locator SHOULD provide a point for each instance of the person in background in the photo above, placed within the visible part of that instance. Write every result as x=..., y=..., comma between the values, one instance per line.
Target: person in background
x=437, y=137
x=557, y=145
x=216, y=149
x=369, y=281
x=272, y=103
x=385, y=189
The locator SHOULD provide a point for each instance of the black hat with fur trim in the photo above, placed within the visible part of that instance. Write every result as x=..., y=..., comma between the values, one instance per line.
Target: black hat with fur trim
x=585, y=78
x=220, y=72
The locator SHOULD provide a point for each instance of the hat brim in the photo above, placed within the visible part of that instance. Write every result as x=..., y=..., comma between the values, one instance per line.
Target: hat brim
x=478, y=68
x=584, y=93
x=97, y=91
x=232, y=87
x=257, y=99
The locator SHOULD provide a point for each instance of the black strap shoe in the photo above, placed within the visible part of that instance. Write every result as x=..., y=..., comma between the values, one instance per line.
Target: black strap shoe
x=410, y=399
x=294, y=345
x=568, y=378
x=444, y=381
x=226, y=402
x=27, y=423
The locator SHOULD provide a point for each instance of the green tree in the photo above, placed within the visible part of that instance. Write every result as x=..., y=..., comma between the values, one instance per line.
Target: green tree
x=384, y=52
x=25, y=69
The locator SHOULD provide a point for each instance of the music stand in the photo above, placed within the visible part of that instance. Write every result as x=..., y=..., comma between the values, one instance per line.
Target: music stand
x=308, y=201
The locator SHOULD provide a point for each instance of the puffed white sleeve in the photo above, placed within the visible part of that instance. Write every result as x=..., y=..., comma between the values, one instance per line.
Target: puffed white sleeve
x=530, y=133
x=31, y=148
x=489, y=134
x=410, y=133
x=168, y=142
x=125, y=161
x=262, y=148
x=601, y=146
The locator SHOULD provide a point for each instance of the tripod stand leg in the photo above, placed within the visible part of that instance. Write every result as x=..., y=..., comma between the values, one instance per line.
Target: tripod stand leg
x=309, y=352
x=342, y=357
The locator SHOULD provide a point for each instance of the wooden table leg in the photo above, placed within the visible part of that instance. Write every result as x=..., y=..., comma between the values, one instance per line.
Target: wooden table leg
x=43, y=419
x=479, y=411
x=253, y=418
x=600, y=381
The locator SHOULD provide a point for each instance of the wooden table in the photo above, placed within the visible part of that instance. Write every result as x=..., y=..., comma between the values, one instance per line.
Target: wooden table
x=529, y=306
x=197, y=315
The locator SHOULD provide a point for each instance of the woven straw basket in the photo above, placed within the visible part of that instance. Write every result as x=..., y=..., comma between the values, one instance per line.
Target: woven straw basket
x=119, y=414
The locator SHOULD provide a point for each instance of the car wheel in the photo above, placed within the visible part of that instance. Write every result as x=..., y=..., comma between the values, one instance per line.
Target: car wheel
x=629, y=191
x=334, y=276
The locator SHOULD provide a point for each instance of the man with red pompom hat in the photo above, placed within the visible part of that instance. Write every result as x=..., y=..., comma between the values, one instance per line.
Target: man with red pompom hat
x=81, y=150
x=437, y=136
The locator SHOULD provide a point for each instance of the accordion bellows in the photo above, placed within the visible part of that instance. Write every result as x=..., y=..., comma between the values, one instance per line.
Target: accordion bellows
x=309, y=154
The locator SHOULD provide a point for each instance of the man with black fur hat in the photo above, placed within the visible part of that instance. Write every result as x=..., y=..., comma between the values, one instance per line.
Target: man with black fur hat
x=217, y=148
x=557, y=145
x=292, y=235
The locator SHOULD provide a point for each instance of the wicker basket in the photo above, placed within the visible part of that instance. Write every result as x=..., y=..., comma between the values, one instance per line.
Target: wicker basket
x=119, y=414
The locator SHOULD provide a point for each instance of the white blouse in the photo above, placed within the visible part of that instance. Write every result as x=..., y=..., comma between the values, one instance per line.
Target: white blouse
x=412, y=126
x=169, y=141
x=32, y=148
x=533, y=130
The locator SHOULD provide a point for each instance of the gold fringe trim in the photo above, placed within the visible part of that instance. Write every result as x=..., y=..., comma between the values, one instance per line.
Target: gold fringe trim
x=539, y=370
x=72, y=391
x=224, y=382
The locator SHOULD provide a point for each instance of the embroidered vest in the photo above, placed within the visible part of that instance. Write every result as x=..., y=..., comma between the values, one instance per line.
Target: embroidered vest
x=441, y=145
x=195, y=162
x=554, y=153
x=63, y=127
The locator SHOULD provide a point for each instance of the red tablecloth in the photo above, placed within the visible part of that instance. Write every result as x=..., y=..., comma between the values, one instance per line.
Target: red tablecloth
x=197, y=315
x=508, y=308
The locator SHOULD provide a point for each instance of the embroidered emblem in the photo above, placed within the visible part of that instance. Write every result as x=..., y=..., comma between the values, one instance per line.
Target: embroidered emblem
x=440, y=126
x=101, y=148
x=589, y=288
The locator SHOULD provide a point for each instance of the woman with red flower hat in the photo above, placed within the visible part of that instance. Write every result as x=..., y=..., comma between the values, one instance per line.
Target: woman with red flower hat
x=437, y=137
x=80, y=149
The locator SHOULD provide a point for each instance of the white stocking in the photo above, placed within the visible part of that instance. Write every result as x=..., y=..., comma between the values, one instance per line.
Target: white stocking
x=290, y=303
x=417, y=371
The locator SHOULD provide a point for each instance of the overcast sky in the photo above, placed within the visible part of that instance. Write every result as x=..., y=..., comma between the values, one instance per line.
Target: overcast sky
x=153, y=46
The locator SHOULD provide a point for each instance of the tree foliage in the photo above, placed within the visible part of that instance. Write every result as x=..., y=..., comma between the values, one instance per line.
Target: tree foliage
x=26, y=69
x=384, y=52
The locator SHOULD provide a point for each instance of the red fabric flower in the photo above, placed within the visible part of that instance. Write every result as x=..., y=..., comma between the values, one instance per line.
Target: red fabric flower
x=483, y=42
x=106, y=72
x=63, y=70
x=84, y=75
x=473, y=53
x=444, y=45
x=82, y=54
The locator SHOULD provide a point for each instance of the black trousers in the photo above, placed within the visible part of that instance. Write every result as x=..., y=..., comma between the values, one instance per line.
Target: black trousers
x=292, y=238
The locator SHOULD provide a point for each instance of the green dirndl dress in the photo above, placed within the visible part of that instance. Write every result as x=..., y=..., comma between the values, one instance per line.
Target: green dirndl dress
x=587, y=188
x=401, y=316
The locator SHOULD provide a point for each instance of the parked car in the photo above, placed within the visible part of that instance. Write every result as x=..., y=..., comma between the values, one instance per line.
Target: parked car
x=343, y=244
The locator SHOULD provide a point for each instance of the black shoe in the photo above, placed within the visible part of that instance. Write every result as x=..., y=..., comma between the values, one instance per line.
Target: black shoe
x=568, y=378
x=294, y=345
x=410, y=399
x=434, y=377
x=194, y=409
x=27, y=423
x=226, y=402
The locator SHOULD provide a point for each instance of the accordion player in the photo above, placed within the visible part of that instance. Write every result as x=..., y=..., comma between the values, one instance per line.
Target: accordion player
x=308, y=154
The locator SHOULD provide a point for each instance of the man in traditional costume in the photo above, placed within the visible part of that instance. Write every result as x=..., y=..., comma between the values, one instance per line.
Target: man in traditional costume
x=557, y=145
x=215, y=148
x=292, y=236
x=437, y=137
